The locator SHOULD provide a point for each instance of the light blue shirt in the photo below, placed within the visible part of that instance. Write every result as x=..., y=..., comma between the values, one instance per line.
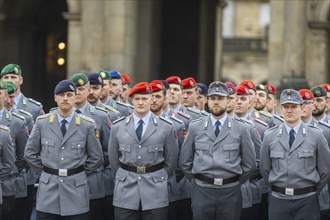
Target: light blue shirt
x=177, y=109
x=68, y=119
x=1, y=113
x=145, y=120
x=83, y=109
x=222, y=121
x=288, y=129
x=16, y=99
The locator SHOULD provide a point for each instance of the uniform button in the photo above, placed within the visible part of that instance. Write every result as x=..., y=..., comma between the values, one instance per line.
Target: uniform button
x=139, y=177
x=78, y=145
x=61, y=180
x=156, y=148
x=46, y=142
x=139, y=146
x=62, y=158
x=85, y=181
x=123, y=148
x=139, y=157
x=162, y=177
x=62, y=148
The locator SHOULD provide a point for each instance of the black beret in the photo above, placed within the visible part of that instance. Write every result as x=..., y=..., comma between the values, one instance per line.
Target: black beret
x=65, y=86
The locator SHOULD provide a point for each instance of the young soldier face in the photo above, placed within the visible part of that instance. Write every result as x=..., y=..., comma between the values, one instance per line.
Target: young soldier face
x=157, y=101
x=189, y=97
x=16, y=79
x=261, y=99
x=200, y=102
x=94, y=93
x=65, y=100
x=124, y=93
x=271, y=102
x=291, y=113
x=307, y=108
x=232, y=99
x=9, y=102
x=105, y=89
x=242, y=104
x=115, y=88
x=320, y=105
x=82, y=94
x=141, y=103
x=176, y=94
x=217, y=104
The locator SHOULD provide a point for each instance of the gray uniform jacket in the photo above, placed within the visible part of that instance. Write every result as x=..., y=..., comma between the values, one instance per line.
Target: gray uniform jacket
x=305, y=164
x=158, y=145
x=123, y=109
x=31, y=106
x=263, y=116
x=113, y=113
x=63, y=195
x=19, y=135
x=231, y=153
x=7, y=155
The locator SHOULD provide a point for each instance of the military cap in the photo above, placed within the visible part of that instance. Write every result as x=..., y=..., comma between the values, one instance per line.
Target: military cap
x=326, y=87
x=11, y=87
x=104, y=74
x=319, y=91
x=157, y=85
x=125, y=78
x=218, y=88
x=249, y=84
x=242, y=90
x=65, y=86
x=290, y=96
x=140, y=88
x=174, y=80
x=231, y=88
x=202, y=88
x=114, y=74
x=3, y=86
x=188, y=83
x=306, y=94
x=271, y=89
x=11, y=69
x=95, y=79
x=260, y=87
x=80, y=79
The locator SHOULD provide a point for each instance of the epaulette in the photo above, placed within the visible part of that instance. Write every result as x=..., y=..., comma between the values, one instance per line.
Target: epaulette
x=166, y=120
x=272, y=128
x=118, y=120
x=101, y=109
x=266, y=114
x=197, y=119
x=184, y=115
x=256, y=114
x=5, y=128
x=193, y=110
x=246, y=121
x=53, y=109
x=324, y=123
x=24, y=112
x=130, y=106
x=176, y=119
x=122, y=104
x=110, y=109
x=205, y=113
x=18, y=116
x=261, y=122
x=86, y=118
x=44, y=116
x=34, y=102
x=279, y=118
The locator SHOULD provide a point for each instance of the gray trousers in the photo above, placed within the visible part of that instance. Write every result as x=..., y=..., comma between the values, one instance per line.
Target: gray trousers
x=221, y=203
x=128, y=214
x=294, y=209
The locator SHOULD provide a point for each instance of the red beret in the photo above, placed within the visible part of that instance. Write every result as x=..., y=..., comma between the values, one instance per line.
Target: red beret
x=157, y=85
x=231, y=88
x=140, y=88
x=242, y=90
x=125, y=78
x=188, y=83
x=249, y=84
x=326, y=86
x=174, y=79
x=306, y=94
x=271, y=89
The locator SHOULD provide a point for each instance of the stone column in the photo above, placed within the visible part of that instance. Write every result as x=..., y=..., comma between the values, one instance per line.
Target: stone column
x=218, y=40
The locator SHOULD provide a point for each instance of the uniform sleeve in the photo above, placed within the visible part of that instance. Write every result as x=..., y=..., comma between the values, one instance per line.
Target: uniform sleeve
x=33, y=148
x=21, y=141
x=323, y=162
x=187, y=154
x=171, y=151
x=256, y=139
x=248, y=155
x=7, y=156
x=94, y=151
x=105, y=140
x=113, y=151
x=265, y=161
x=29, y=123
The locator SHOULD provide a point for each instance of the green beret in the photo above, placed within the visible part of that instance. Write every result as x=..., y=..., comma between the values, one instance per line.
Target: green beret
x=80, y=79
x=319, y=91
x=261, y=87
x=11, y=69
x=11, y=87
x=2, y=85
x=105, y=74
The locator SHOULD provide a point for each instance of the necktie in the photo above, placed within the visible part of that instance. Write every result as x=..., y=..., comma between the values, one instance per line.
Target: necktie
x=139, y=129
x=217, y=128
x=291, y=139
x=78, y=111
x=63, y=128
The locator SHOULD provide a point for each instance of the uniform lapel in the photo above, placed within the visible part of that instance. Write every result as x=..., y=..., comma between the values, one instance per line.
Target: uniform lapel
x=4, y=121
x=224, y=130
x=130, y=128
x=55, y=127
x=209, y=129
x=151, y=128
x=284, y=140
x=300, y=137
x=71, y=129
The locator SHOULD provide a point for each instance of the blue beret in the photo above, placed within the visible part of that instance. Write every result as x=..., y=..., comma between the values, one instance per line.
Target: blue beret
x=290, y=96
x=115, y=74
x=94, y=79
x=202, y=88
x=65, y=86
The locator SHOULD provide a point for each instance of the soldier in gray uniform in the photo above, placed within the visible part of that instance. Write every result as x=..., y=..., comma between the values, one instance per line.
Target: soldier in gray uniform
x=7, y=157
x=96, y=181
x=64, y=147
x=218, y=155
x=143, y=153
x=295, y=163
x=14, y=185
x=320, y=95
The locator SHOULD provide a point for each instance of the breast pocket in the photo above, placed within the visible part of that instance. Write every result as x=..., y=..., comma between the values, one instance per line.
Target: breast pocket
x=201, y=150
x=78, y=149
x=157, y=152
x=306, y=159
x=277, y=158
x=47, y=147
x=125, y=150
x=230, y=151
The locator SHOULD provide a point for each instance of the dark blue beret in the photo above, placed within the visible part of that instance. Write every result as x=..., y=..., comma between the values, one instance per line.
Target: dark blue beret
x=167, y=86
x=202, y=88
x=115, y=74
x=65, y=86
x=94, y=79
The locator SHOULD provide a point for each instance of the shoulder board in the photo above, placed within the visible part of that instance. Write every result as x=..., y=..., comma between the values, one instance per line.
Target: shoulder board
x=44, y=116
x=110, y=109
x=266, y=114
x=34, y=102
x=18, y=116
x=176, y=119
x=85, y=118
x=130, y=106
x=279, y=118
x=205, y=113
x=119, y=119
x=24, y=112
x=272, y=128
x=184, y=115
x=256, y=114
x=166, y=120
x=196, y=120
x=325, y=124
x=261, y=122
x=5, y=128
x=311, y=126
x=193, y=110
x=245, y=121
x=101, y=109
x=122, y=104
x=53, y=109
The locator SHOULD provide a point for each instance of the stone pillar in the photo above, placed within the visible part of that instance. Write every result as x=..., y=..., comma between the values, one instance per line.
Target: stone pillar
x=218, y=41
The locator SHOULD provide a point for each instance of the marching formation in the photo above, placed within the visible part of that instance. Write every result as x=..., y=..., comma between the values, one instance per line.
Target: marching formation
x=167, y=149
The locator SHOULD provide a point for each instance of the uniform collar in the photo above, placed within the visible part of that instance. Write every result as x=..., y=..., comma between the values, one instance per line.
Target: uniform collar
x=68, y=119
x=83, y=109
x=296, y=128
x=145, y=119
x=222, y=120
x=16, y=99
